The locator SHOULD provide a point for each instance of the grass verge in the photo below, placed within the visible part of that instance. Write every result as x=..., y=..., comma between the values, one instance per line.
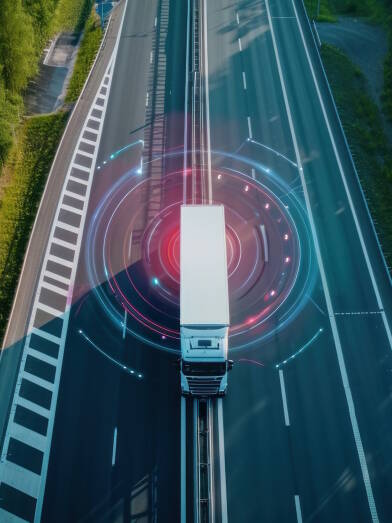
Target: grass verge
x=88, y=49
x=71, y=15
x=365, y=133
x=27, y=171
x=326, y=14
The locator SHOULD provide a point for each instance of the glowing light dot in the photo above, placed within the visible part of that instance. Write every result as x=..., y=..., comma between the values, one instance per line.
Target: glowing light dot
x=219, y=176
x=267, y=205
x=98, y=167
x=163, y=337
x=139, y=376
x=286, y=237
x=155, y=281
x=132, y=372
x=246, y=188
x=272, y=293
x=287, y=259
x=111, y=156
x=105, y=162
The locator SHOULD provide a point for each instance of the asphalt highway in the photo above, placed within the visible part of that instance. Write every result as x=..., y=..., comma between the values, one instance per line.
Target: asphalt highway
x=307, y=415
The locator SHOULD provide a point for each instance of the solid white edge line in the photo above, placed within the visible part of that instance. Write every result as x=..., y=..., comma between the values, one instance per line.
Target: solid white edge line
x=346, y=188
x=183, y=459
x=184, y=177
x=335, y=333
x=114, y=450
x=284, y=399
x=195, y=460
x=298, y=508
x=207, y=90
x=222, y=463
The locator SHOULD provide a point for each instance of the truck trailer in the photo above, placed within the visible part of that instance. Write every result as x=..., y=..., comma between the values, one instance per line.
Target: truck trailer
x=204, y=301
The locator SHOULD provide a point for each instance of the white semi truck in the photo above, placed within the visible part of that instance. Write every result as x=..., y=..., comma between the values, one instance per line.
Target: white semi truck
x=204, y=301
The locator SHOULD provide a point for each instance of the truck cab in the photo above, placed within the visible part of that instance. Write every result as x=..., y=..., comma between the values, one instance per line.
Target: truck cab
x=204, y=301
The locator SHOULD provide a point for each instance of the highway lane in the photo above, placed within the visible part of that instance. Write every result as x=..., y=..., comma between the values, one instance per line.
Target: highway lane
x=99, y=402
x=316, y=457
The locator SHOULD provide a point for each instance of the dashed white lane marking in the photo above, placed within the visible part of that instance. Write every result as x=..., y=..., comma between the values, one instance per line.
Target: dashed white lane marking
x=147, y=97
x=284, y=399
x=298, y=508
x=237, y=18
x=155, y=21
x=151, y=56
x=114, y=450
x=253, y=173
x=239, y=44
x=250, y=128
x=244, y=79
x=124, y=330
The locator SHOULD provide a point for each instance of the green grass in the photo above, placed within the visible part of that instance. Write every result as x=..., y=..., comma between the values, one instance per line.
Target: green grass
x=71, y=15
x=364, y=129
x=29, y=165
x=326, y=14
x=86, y=54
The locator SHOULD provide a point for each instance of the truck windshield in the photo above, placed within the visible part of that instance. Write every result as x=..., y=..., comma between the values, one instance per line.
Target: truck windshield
x=204, y=369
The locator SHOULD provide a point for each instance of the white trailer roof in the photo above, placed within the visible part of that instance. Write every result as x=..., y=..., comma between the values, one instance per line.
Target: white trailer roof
x=204, y=297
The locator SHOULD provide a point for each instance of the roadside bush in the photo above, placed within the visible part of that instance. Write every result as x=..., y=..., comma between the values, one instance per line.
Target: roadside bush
x=88, y=49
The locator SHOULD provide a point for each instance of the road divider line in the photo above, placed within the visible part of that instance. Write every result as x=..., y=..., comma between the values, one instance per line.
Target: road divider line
x=298, y=508
x=237, y=18
x=239, y=44
x=185, y=163
x=183, y=460
x=124, y=331
x=114, y=450
x=265, y=242
x=332, y=320
x=222, y=463
x=207, y=102
x=284, y=399
x=250, y=128
x=244, y=80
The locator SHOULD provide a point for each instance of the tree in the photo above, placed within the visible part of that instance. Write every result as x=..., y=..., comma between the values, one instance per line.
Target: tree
x=17, y=45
